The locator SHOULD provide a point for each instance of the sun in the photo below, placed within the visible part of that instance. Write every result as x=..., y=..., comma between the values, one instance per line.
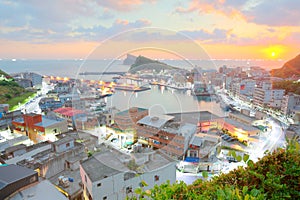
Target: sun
x=274, y=51
x=273, y=54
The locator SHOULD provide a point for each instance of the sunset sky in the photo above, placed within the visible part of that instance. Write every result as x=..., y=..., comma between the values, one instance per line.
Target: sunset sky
x=224, y=29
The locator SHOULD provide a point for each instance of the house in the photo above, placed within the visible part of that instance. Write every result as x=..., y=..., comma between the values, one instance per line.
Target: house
x=70, y=114
x=162, y=132
x=128, y=118
x=110, y=174
x=14, y=177
x=39, y=128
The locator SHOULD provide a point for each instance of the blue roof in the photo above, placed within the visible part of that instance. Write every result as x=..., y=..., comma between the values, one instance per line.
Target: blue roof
x=48, y=122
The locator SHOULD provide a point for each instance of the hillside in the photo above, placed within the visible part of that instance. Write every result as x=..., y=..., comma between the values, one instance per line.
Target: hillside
x=129, y=60
x=289, y=69
x=142, y=63
x=275, y=176
x=10, y=91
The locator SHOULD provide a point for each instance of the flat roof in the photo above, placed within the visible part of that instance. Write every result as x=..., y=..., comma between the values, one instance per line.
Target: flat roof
x=68, y=111
x=156, y=121
x=43, y=190
x=183, y=128
x=248, y=118
x=96, y=170
x=194, y=117
x=12, y=173
x=48, y=122
x=240, y=125
x=126, y=112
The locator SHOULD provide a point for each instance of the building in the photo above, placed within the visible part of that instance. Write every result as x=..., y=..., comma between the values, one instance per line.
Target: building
x=14, y=178
x=63, y=154
x=201, y=154
x=39, y=128
x=25, y=83
x=70, y=114
x=242, y=118
x=241, y=131
x=48, y=104
x=290, y=103
x=162, y=132
x=128, y=118
x=36, y=79
x=110, y=174
x=41, y=190
x=266, y=96
x=244, y=87
x=7, y=118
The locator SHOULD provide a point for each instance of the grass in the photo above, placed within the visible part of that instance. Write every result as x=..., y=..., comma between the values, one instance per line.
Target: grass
x=14, y=102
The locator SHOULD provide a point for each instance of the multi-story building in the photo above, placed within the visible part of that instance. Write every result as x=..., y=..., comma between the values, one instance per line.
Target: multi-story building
x=290, y=103
x=47, y=104
x=15, y=177
x=39, y=128
x=36, y=79
x=110, y=174
x=25, y=83
x=161, y=132
x=266, y=96
x=70, y=115
x=128, y=118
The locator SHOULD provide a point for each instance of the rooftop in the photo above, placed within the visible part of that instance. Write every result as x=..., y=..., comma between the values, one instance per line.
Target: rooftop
x=126, y=112
x=68, y=111
x=240, y=125
x=97, y=170
x=157, y=121
x=194, y=117
x=110, y=162
x=13, y=173
x=43, y=190
x=46, y=122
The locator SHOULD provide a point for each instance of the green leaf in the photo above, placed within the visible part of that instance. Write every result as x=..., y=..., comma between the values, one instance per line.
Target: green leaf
x=205, y=174
x=254, y=192
x=250, y=163
x=138, y=190
x=246, y=157
x=144, y=183
x=239, y=158
x=245, y=190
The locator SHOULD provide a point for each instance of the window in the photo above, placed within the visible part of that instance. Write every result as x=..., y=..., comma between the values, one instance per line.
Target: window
x=129, y=189
x=156, y=178
x=99, y=184
x=104, y=198
x=68, y=144
x=85, y=178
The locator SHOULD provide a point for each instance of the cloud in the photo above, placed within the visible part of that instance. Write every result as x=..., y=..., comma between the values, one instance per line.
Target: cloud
x=228, y=8
x=275, y=13
x=122, y=5
x=265, y=12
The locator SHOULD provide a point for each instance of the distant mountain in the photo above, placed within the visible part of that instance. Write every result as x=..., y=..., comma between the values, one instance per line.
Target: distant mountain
x=290, y=69
x=129, y=60
x=142, y=63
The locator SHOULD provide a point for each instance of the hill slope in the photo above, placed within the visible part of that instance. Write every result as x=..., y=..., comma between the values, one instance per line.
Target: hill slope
x=142, y=63
x=289, y=69
x=10, y=91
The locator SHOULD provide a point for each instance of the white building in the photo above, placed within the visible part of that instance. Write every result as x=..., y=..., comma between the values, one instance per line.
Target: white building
x=266, y=96
x=108, y=174
x=290, y=103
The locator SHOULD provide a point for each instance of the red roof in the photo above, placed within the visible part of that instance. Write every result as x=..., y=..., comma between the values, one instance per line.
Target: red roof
x=68, y=111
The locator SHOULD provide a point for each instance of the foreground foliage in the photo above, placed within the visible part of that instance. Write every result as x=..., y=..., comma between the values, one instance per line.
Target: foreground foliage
x=275, y=176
